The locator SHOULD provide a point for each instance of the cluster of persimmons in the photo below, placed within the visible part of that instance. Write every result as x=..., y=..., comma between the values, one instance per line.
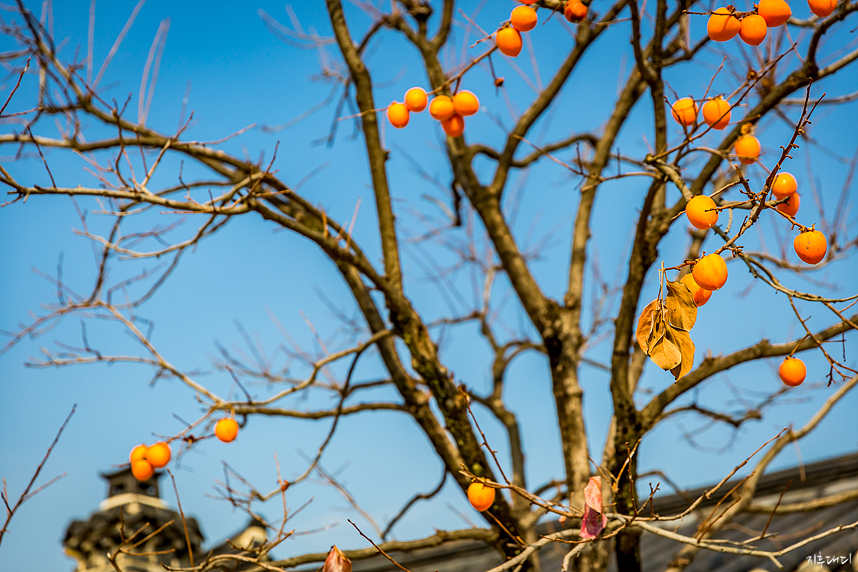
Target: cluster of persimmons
x=725, y=22
x=450, y=111
x=523, y=19
x=710, y=272
x=145, y=459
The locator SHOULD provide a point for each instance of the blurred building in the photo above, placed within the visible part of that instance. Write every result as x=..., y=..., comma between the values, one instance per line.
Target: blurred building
x=126, y=523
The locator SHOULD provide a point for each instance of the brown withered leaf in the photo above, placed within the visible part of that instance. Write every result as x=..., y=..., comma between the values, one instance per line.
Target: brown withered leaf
x=665, y=353
x=645, y=325
x=657, y=332
x=337, y=561
x=680, y=306
x=686, y=348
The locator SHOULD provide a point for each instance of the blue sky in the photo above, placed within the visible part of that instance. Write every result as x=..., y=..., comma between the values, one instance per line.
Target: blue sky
x=238, y=73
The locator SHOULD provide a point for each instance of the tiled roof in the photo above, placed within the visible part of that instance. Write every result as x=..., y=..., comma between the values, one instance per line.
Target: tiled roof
x=819, y=479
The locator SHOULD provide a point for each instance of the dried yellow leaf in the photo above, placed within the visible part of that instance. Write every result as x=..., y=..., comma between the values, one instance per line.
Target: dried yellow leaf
x=683, y=341
x=665, y=354
x=645, y=325
x=680, y=307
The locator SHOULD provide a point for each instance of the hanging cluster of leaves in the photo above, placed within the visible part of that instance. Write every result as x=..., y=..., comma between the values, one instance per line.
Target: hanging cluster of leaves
x=663, y=329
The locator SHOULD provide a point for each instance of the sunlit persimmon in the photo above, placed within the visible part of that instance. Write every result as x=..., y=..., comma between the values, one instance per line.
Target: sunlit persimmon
x=747, y=149
x=398, y=115
x=784, y=185
x=574, y=11
x=790, y=207
x=509, y=41
x=792, y=371
x=722, y=25
x=137, y=453
x=142, y=470
x=774, y=12
x=700, y=295
x=701, y=212
x=454, y=126
x=822, y=8
x=159, y=454
x=811, y=246
x=753, y=30
x=481, y=496
x=226, y=429
x=684, y=111
x=710, y=272
x=523, y=18
x=441, y=108
x=466, y=103
x=415, y=99
x=716, y=113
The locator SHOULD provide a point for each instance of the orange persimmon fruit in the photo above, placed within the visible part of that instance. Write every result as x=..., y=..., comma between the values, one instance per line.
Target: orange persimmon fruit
x=792, y=371
x=226, y=429
x=142, y=470
x=441, y=108
x=753, y=30
x=509, y=41
x=480, y=496
x=774, y=12
x=716, y=113
x=701, y=212
x=398, y=114
x=523, y=18
x=574, y=11
x=415, y=99
x=722, y=25
x=700, y=295
x=822, y=8
x=784, y=185
x=159, y=454
x=811, y=246
x=138, y=453
x=748, y=149
x=684, y=111
x=454, y=126
x=710, y=272
x=466, y=103
x=790, y=207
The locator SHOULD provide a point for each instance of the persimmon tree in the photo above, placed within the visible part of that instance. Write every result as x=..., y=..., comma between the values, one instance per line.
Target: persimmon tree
x=135, y=171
